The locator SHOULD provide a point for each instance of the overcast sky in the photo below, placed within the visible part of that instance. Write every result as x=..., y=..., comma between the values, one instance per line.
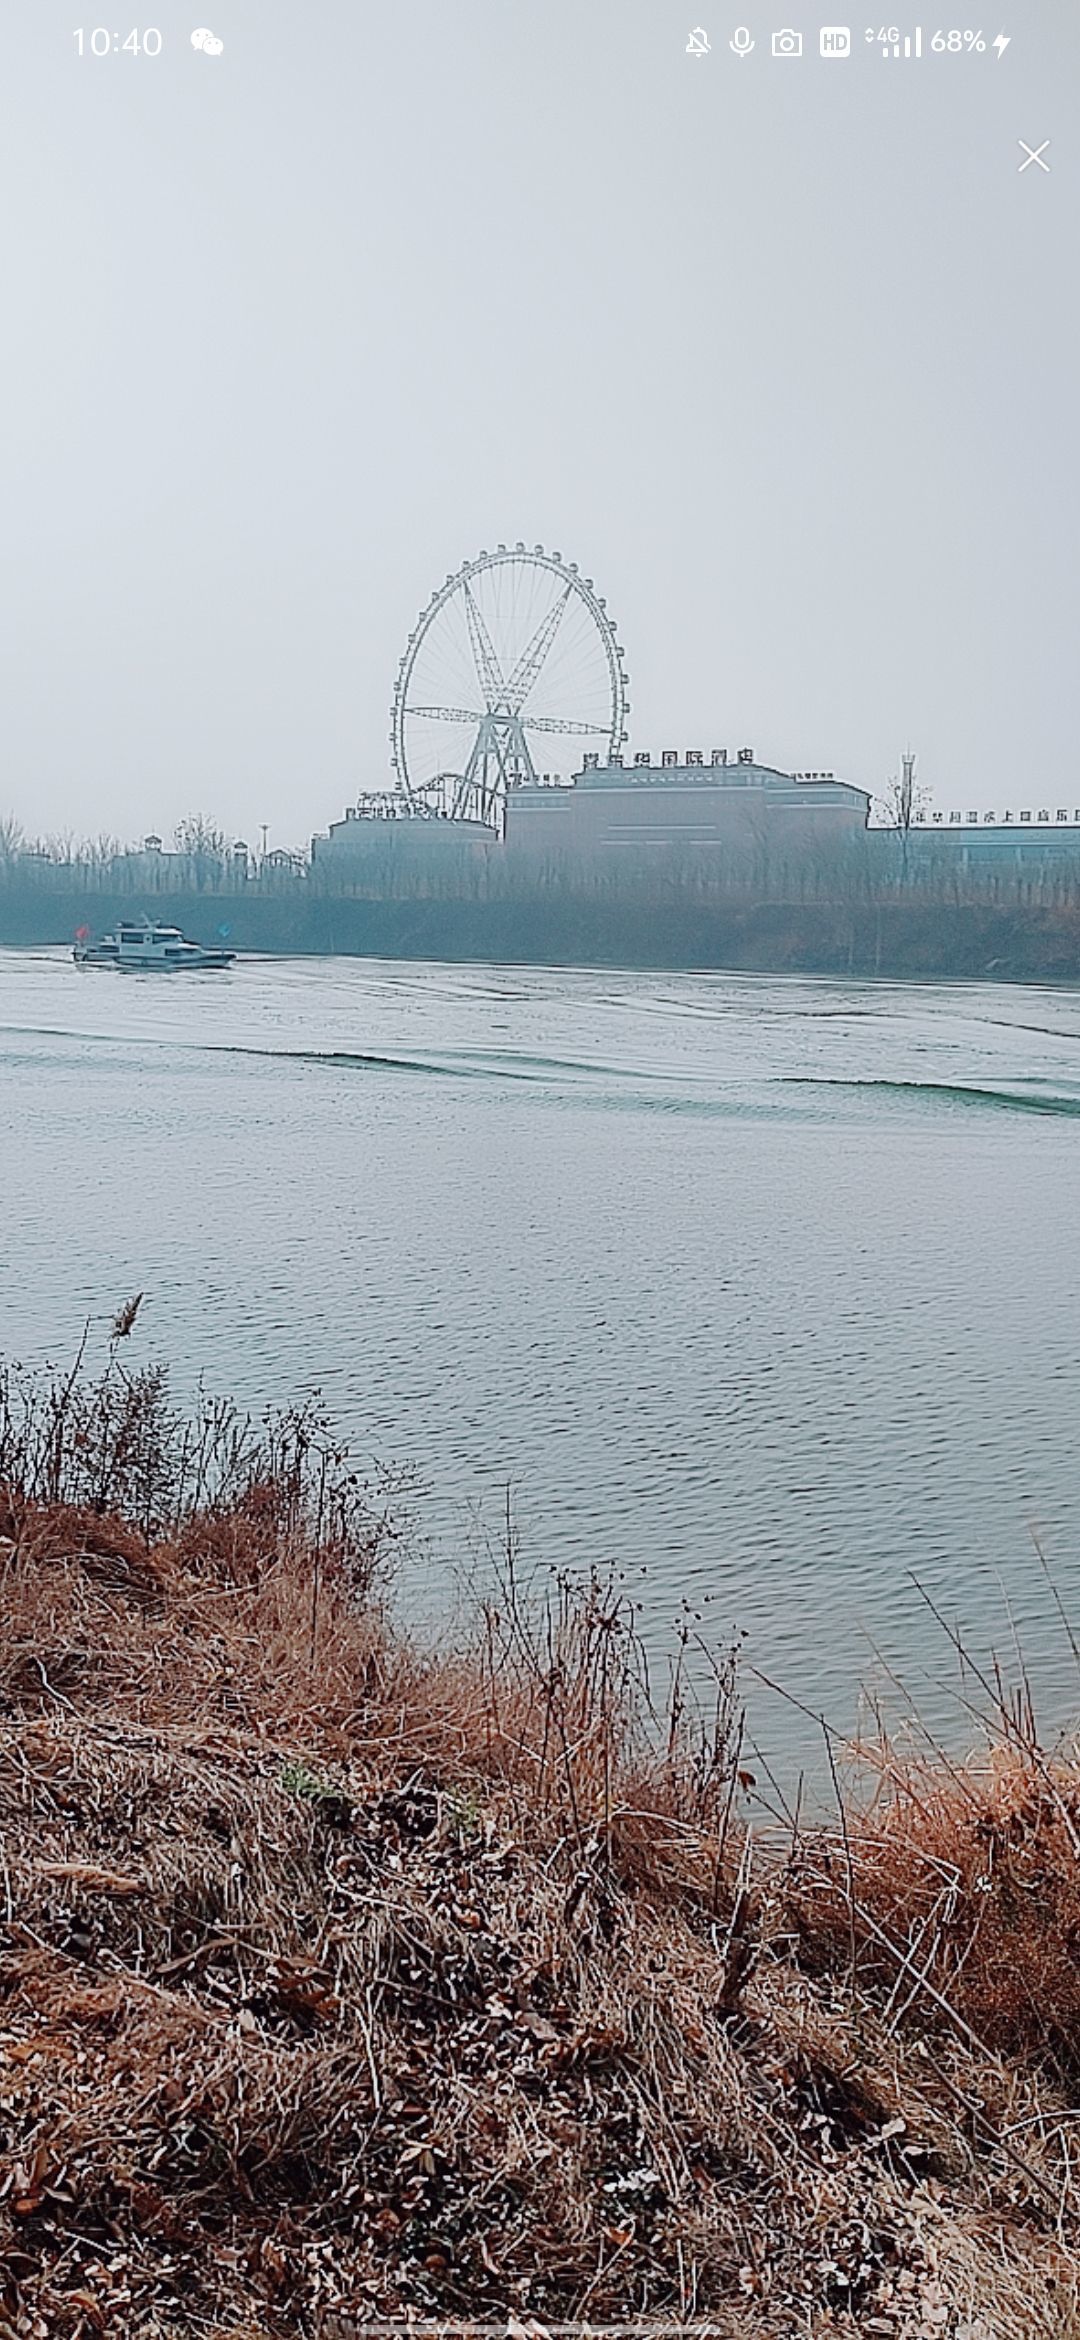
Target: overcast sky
x=784, y=353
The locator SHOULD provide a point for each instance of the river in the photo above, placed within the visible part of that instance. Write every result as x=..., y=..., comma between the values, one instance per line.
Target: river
x=763, y=1291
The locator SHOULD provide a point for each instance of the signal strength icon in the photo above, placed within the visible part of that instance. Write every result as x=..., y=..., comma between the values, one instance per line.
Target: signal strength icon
x=904, y=45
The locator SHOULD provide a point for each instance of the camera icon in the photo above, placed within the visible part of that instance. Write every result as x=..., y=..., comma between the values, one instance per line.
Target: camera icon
x=787, y=43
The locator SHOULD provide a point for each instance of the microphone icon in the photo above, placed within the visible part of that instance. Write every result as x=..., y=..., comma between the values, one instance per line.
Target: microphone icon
x=742, y=40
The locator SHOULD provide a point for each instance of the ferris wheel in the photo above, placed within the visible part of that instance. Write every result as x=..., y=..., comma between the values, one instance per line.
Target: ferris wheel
x=514, y=647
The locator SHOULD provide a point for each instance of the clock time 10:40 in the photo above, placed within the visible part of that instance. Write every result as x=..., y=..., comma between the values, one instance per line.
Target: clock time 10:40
x=100, y=43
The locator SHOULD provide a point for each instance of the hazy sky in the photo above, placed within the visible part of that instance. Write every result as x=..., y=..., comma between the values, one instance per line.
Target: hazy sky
x=784, y=353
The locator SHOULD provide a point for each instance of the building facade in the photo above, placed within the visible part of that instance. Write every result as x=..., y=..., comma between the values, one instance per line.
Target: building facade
x=1004, y=843
x=685, y=811
x=384, y=847
x=686, y=819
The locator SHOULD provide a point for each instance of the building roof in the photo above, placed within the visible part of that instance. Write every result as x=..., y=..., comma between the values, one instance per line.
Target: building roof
x=694, y=769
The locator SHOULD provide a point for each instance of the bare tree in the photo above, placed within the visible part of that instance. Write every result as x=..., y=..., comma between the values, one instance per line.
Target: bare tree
x=200, y=837
x=101, y=851
x=12, y=839
x=905, y=803
x=205, y=846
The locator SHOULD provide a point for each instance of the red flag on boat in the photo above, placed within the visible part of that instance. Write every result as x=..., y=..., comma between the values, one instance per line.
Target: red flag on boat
x=82, y=934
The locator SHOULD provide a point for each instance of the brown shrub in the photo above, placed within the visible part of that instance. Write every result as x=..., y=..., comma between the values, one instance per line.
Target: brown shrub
x=964, y=1895
x=339, y=1980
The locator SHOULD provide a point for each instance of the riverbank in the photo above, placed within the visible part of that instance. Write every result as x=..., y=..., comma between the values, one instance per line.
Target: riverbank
x=895, y=937
x=341, y=1982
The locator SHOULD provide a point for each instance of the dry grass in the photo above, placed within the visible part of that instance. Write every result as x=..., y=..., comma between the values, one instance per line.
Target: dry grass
x=339, y=1983
x=966, y=1900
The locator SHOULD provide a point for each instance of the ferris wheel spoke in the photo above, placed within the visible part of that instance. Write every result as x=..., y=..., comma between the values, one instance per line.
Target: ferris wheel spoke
x=562, y=723
x=535, y=652
x=483, y=648
x=447, y=714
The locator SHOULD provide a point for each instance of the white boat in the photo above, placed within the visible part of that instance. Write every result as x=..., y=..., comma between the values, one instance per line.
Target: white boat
x=139, y=943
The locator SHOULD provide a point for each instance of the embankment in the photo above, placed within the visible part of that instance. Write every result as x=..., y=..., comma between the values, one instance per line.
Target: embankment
x=898, y=937
x=341, y=1982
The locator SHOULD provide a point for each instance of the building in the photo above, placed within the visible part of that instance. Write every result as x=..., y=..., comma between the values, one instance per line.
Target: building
x=997, y=843
x=381, y=845
x=150, y=867
x=689, y=812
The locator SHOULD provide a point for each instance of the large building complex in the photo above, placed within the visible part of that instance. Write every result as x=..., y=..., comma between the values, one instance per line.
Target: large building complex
x=686, y=810
x=628, y=819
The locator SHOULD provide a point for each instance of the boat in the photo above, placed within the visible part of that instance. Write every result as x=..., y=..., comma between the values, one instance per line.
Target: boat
x=141, y=944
